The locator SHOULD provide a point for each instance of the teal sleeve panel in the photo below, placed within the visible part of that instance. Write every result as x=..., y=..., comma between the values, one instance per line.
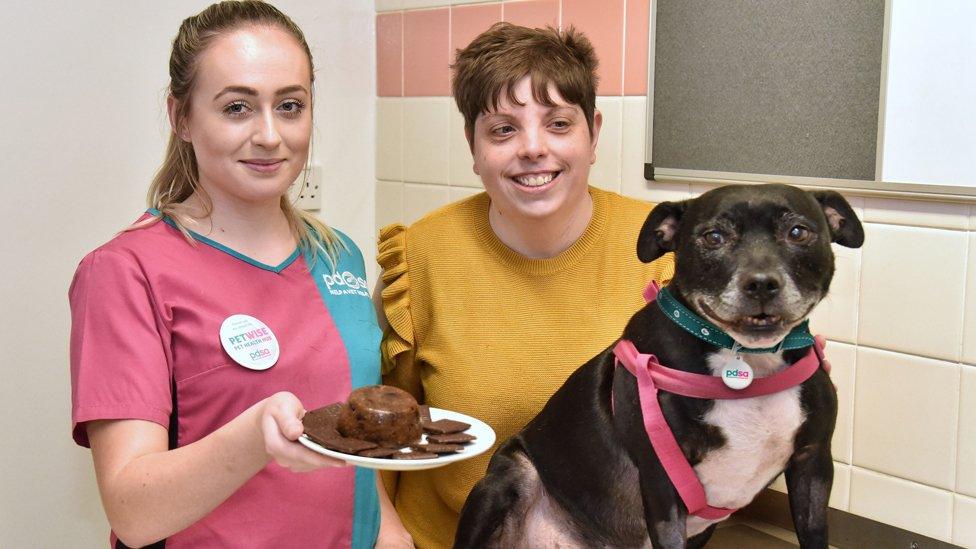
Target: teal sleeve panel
x=345, y=292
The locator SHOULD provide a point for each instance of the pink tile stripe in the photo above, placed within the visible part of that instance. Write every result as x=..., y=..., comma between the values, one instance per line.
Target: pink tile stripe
x=426, y=52
x=389, y=54
x=535, y=14
x=415, y=48
x=635, y=48
x=603, y=23
x=467, y=22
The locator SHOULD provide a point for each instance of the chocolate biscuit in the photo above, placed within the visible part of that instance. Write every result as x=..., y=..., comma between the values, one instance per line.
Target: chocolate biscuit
x=445, y=426
x=452, y=438
x=343, y=444
x=379, y=452
x=414, y=455
x=438, y=448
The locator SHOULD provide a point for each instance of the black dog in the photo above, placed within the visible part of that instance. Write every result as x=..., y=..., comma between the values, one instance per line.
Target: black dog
x=751, y=260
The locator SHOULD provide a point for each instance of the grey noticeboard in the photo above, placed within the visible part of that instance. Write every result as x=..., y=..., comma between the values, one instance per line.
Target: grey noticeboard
x=778, y=87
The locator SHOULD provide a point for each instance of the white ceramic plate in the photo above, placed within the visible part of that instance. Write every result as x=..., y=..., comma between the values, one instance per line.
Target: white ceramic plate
x=480, y=429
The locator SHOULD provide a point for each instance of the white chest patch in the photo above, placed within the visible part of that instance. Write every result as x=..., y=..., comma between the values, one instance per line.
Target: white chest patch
x=759, y=435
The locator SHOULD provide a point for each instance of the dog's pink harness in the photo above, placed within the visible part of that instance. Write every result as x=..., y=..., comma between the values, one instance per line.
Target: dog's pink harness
x=652, y=377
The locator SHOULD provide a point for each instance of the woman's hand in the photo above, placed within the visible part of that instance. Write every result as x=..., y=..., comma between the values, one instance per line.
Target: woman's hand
x=281, y=425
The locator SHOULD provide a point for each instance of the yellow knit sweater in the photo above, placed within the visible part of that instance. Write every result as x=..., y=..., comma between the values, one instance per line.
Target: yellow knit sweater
x=478, y=328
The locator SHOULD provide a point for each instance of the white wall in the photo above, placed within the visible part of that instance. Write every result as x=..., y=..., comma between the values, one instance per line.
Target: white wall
x=82, y=129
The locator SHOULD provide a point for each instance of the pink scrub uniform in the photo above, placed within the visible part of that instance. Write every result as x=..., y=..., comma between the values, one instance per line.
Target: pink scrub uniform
x=146, y=311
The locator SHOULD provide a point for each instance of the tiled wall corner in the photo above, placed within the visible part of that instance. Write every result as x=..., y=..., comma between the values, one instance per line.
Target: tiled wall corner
x=906, y=416
x=843, y=360
x=535, y=14
x=966, y=457
x=911, y=280
x=836, y=316
x=461, y=172
x=964, y=522
x=969, y=321
x=901, y=503
x=389, y=203
x=389, y=138
x=419, y=200
x=605, y=173
x=425, y=139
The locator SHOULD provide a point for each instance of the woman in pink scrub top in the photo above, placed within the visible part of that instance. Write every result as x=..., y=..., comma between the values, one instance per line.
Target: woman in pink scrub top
x=202, y=333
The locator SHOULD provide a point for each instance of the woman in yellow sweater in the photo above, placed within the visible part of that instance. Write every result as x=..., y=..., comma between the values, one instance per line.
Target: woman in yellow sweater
x=493, y=301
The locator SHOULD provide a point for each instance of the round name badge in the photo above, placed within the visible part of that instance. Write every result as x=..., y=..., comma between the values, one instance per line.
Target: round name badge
x=736, y=374
x=249, y=342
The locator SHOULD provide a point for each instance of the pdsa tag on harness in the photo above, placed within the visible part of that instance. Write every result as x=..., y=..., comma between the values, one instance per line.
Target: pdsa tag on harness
x=249, y=342
x=736, y=374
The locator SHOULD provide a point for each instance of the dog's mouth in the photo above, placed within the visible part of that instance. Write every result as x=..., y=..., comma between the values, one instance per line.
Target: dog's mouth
x=759, y=324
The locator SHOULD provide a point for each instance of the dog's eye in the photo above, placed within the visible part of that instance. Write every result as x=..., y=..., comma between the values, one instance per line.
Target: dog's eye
x=799, y=234
x=714, y=239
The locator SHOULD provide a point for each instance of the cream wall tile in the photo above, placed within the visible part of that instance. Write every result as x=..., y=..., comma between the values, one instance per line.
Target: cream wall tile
x=389, y=203
x=839, y=492
x=389, y=138
x=664, y=191
x=969, y=322
x=964, y=522
x=606, y=172
x=425, y=139
x=966, y=462
x=842, y=359
x=901, y=503
x=419, y=200
x=389, y=5
x=461, y=162
x=458, y=193
x=632, y=182
x=911, y=280
x=906, y=412
x=836, y=316
x=916, y=213
x=417, y=4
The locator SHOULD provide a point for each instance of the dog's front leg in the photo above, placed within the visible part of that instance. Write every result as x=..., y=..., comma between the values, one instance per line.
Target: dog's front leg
x=487, y=515
x=809, y=477
x=665, y=515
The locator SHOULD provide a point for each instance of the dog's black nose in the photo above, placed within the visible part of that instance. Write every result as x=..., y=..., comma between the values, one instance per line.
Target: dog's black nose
x=762, y=286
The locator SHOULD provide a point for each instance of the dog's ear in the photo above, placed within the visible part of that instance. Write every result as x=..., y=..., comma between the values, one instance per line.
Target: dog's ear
x=657, y=236
x=845, y=227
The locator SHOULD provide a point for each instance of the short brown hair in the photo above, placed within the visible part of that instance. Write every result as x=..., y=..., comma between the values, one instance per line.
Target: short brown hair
x=505, y=53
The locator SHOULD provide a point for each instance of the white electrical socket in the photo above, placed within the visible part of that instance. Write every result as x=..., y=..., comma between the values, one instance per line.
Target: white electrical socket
x=306, y=192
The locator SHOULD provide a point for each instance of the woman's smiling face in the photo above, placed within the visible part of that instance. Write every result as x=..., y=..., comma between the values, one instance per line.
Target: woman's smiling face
x=250, y=120
x=534, y=159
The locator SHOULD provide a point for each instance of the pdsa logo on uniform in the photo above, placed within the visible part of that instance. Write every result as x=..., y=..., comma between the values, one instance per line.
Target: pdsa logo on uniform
x=345, y=283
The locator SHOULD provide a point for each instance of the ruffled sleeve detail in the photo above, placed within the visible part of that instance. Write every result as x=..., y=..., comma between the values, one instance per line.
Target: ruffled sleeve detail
x=392, y=257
